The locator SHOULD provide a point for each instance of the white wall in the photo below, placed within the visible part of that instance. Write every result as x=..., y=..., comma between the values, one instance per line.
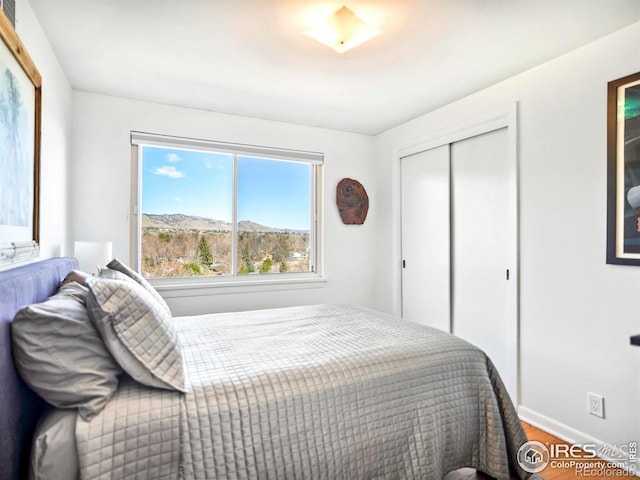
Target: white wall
x=101, y=189
x=56, y=133
x=577, y=313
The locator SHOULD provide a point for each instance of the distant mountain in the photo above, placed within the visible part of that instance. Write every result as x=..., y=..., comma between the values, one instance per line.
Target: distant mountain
x=179, y=221
x=248, y=226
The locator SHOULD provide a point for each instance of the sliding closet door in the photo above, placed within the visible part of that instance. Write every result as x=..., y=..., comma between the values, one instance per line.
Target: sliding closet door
x=484, y=249
x=426, y=238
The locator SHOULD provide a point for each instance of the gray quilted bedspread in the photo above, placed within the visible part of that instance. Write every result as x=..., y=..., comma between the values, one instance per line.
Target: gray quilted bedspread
x=320, y=392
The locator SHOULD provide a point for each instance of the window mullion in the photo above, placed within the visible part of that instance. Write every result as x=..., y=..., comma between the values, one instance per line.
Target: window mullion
x=234, y=219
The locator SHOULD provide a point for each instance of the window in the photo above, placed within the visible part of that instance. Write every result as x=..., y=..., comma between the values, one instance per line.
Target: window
x=224, y=212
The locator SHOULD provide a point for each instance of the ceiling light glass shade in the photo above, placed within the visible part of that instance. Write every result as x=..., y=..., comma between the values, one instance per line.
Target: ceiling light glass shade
x=342, y=31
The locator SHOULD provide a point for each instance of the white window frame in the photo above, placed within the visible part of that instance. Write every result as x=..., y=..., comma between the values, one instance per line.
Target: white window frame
x=187, y=286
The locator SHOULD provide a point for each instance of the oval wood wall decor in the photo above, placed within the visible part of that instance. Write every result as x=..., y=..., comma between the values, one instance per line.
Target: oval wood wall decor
x=353, y=201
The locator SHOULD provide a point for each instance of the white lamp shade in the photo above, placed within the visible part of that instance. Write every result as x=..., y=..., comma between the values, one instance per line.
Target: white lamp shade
x=91, y=255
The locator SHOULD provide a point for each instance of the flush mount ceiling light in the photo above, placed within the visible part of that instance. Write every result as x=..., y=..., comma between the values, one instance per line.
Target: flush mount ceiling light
x=342, y=31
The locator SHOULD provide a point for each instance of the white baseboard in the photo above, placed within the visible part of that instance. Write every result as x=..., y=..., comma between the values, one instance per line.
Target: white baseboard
x=557, y=429
x=569, y=434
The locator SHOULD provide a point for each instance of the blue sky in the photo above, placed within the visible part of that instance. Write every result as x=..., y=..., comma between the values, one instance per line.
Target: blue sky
x=270, y=192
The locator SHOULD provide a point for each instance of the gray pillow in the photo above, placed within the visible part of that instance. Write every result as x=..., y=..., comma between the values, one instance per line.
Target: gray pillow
x=77, y=276
x=137, y=331
x=116, y=264
x=82, y=278
x=54, y=454
x=60, y=354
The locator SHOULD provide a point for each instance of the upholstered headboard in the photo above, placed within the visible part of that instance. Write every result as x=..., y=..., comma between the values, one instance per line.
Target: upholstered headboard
x=19, y=406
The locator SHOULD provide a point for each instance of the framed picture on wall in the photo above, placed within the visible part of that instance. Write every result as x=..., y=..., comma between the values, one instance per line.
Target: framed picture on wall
x=20, y=111
x=623, y=170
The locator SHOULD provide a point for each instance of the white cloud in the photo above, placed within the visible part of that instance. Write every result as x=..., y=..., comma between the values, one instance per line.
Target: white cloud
x=173, y=157
x=178, y=199
x=208, y=163
x=168, y=171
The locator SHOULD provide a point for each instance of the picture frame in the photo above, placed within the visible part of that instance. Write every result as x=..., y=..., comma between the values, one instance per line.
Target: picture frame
x=623, y=170
x=20, y=129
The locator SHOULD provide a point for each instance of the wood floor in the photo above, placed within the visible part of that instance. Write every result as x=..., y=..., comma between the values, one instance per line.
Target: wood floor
x=548, y=473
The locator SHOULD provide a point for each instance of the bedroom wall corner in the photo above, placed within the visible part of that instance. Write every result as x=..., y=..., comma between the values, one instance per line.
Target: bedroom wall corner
x=55, y=135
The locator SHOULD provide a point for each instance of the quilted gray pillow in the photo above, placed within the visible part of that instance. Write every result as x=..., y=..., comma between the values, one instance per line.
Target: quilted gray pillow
x=114, y=275
x=82, y=278
x=60, y=354
x=116, y=264
x=138, y=332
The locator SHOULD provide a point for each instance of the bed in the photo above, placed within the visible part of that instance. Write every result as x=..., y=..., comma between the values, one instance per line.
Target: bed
x=317, y=392
x=20, y=408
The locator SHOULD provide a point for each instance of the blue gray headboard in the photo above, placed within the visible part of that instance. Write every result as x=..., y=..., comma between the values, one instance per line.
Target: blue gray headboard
x=19, y=406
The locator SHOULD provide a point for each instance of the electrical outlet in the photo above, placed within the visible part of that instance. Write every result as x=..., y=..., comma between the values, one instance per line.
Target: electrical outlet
x=595, y=404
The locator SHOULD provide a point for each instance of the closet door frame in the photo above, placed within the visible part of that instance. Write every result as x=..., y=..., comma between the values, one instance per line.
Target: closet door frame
x=504, y=117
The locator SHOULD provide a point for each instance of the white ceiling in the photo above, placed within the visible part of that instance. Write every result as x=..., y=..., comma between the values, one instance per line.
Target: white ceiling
x=248, y=57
